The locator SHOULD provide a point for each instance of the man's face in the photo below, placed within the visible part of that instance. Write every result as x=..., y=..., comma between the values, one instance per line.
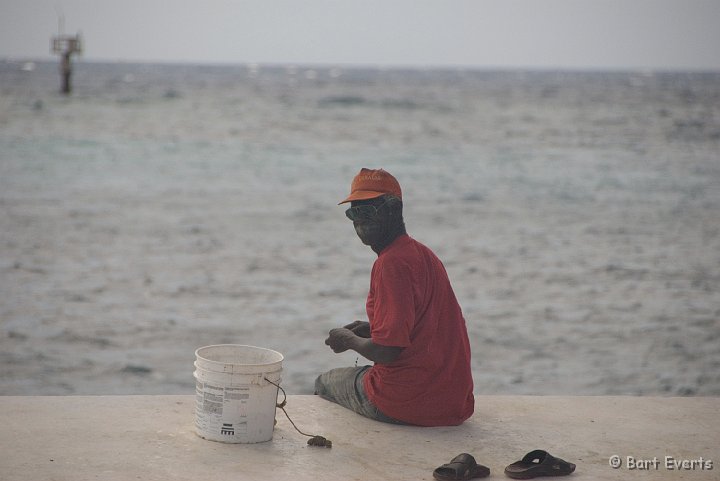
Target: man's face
x=368, y=220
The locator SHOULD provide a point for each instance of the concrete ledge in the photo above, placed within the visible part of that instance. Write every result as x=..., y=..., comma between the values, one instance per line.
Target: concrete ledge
x=153, y=438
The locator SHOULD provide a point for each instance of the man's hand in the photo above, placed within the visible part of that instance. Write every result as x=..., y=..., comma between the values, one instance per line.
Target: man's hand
x=340, y=339
x=360, y=328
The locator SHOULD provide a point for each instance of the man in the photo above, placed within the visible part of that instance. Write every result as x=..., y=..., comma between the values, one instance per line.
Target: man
x=416, y=334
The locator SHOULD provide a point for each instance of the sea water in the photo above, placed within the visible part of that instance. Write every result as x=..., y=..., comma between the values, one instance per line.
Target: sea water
x=159, y=208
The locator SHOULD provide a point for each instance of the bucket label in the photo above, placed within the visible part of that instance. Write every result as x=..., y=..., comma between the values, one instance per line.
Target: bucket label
x=212, y=400
x=230, y=429
x=237, y=394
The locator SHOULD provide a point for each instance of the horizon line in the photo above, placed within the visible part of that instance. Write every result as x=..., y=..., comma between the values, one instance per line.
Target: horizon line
x=373, y=66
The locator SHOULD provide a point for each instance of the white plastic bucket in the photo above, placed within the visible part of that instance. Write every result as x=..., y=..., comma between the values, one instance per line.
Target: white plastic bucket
x=235, y=403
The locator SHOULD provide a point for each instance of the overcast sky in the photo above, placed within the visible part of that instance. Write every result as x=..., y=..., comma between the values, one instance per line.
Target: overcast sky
x=574, y=34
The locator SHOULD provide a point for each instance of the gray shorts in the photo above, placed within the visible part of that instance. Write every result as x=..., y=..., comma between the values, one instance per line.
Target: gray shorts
x=344, y=386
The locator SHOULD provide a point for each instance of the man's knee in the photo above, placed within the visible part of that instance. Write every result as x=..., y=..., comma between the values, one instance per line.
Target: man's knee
x=319, y=385
x=339, y=383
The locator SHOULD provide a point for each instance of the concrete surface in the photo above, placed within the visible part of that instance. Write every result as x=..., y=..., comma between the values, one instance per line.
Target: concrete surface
x=153, y=438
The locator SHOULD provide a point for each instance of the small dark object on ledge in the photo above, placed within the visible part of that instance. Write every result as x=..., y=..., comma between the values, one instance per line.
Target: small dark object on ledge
x=319, y=441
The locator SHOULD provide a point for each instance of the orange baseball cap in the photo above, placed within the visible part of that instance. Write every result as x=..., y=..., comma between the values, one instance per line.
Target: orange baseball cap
x=372, y=183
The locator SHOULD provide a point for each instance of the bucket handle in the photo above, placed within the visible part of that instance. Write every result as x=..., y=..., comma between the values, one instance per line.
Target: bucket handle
x=284, y=401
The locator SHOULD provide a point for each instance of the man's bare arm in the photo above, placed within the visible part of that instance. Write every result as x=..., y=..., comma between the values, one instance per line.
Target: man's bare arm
x=342, y=339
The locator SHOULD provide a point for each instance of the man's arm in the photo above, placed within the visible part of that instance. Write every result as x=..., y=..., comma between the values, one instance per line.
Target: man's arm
x=342, y=339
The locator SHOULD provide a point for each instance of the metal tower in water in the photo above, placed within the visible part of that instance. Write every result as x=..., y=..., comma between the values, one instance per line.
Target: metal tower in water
x=66, y=45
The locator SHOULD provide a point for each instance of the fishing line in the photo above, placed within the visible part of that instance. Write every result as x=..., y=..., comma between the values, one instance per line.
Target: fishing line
x=315, y=439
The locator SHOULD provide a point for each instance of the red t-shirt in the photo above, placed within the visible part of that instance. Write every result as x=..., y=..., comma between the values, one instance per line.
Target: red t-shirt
x=412, y=305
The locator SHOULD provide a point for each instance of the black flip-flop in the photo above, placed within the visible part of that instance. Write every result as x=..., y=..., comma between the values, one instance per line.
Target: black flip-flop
x=539, y=463
x=460, y=468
